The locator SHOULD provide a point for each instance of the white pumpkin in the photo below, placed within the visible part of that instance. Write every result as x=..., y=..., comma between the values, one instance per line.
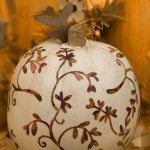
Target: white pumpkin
x=73, y=98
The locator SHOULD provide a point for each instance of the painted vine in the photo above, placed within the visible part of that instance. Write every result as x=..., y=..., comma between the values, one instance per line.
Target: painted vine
x=124, y=129
x=13, y=138
x=107, y=113
x=35, y=65
x=65, y=55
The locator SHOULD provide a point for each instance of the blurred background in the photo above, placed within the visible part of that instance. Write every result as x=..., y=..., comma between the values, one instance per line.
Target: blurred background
x=124, y=24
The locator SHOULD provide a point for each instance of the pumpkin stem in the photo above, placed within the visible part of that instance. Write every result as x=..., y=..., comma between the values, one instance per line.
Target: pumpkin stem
x=76, y=36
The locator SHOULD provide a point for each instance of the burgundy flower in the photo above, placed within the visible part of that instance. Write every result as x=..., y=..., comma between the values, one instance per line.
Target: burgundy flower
x=63, y=101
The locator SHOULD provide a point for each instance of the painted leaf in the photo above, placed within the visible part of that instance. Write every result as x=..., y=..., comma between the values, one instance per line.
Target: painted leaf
x=57, y=97
x=36, y=116
x=91, y=144
x=101, y=118
x=127, y=132
x=41, y=58
x=26, y=127
x=84, y=137
x=70, y=50
x=86, y=123
x=113, y=112
x=118, y=62
x=92, y=74
x=96, y=114
x=91, y=105
x=68, y=105
x=16, y=145
x=112, y=50
x=64, y=109
x=96, y=143
x=24, y=69
x=62, y=50
x=105, y=119
x=34, y=128
x=38, y=96
x=75, y=133
x=119, y=55
x=78, y=76
x=91, y=88
x=121, y=129
x=128, y=109
x=121, y=134
x=67, y=97
x=132, y=101
x=101, y=104
x=71, y=61
x=133, y=92
x=95, y=132
x=33, y=67
x=127, y=121
x=96, y=78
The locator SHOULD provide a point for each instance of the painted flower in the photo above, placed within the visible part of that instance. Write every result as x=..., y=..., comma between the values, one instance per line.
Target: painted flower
x=109, y=112
x=63, y=100
x=67, y=56
x=78, y=7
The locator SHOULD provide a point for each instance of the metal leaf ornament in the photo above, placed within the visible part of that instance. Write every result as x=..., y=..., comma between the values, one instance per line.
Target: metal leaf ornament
x=58, y=21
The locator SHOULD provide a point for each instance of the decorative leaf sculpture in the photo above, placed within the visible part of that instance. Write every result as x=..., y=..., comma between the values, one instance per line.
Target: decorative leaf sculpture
x=58, y=21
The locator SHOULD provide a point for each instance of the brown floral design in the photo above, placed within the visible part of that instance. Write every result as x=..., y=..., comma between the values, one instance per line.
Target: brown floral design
x=125, y=130
x=102, y=112
x=86, y=134
x=36, y=64
x=108, y=112
x=64, y=104
x=65, y=55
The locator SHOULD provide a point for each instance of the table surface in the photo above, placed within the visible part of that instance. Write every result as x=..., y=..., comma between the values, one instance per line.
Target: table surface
x=141, y=140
